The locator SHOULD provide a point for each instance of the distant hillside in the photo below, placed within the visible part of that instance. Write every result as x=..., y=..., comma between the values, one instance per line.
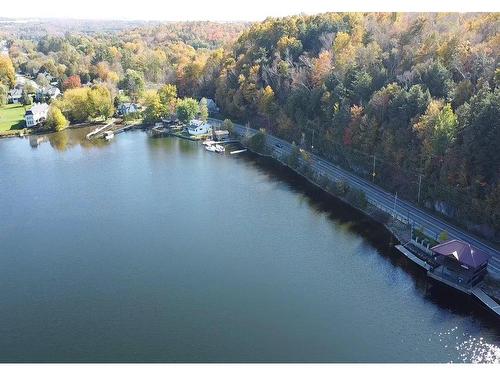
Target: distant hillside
x=200, y=34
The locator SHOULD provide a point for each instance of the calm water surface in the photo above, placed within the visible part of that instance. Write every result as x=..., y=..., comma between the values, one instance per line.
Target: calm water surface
x=154, y=250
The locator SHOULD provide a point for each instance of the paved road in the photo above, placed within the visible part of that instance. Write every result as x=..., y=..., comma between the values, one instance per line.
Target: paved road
x=384, y=200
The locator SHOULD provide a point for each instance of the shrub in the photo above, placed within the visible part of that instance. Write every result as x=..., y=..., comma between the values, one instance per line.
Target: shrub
x=443, y=236
x=228, y=125
x=293, y=158
x=357, y=198
x=341, y=187
x=257, y=142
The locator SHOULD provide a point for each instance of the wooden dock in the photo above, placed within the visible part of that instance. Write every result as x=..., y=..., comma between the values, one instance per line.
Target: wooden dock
x=125, y=128
x=413, y=257
x=98, y=130
x=486, y=300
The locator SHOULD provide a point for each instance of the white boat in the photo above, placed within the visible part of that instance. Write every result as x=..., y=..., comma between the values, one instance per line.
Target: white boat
x=108, y=135
x=211, y=148
x=219, y=148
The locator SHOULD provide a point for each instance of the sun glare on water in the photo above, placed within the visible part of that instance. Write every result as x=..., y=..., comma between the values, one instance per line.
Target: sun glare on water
x=470, y=349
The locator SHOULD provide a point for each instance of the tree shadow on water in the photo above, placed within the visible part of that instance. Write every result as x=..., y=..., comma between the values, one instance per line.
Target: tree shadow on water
x=377, y=235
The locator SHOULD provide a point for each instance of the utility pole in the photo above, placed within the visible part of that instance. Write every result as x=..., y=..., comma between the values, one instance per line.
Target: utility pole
x=373, y=174
x=312, y=141
x=419, y=185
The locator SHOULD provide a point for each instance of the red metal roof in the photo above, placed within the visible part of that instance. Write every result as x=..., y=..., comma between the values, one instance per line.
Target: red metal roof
x=463, y=252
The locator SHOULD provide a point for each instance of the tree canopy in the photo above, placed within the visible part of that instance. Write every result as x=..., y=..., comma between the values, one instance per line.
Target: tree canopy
x=7, y=72
x=55, y=119
x=187, y=109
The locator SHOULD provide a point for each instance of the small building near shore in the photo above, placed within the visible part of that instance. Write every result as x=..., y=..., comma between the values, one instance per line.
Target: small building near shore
x=221, y=135
x=460, y=262
x=198, y=127
x=36, y=115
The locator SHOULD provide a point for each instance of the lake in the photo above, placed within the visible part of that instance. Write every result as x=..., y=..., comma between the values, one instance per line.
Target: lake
x=154, y=250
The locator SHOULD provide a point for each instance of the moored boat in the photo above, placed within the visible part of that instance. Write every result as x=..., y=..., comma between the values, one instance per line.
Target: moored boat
x=108, y=135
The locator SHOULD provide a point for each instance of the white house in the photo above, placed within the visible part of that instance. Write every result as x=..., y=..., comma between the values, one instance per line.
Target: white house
x=127, y=108
x=47, y=93
x=36, y=114
x=14, y=96
x=198, y=127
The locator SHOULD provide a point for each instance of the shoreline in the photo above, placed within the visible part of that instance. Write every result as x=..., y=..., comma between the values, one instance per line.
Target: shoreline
x=400, y=233
x=394, y=227
x=25, y=132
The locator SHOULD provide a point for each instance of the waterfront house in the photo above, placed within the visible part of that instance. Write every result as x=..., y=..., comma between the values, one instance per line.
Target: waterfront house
x=36, y=115
x=124, y=109
x=14, y=96
x=198, y=127
x=221, y=135
x=459, y=263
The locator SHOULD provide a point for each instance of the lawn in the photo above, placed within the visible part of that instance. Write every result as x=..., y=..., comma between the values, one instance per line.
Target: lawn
x=11, y=117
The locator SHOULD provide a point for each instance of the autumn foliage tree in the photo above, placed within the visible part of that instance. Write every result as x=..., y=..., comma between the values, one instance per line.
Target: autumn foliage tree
x=55, y=119
x=418, y=93
x=72, y=82
x=7, y=72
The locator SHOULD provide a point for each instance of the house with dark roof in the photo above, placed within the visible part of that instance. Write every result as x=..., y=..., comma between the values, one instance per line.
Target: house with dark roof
x=459, y=263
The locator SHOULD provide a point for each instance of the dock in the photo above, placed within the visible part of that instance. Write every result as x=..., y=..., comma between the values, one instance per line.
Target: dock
x=237, y=151
x=114, y=127
x=413, y=257
x=224, y=142
x=434, y=273
x=98, y=130
x=451, y=284
x=124, y=128
x=486, y=300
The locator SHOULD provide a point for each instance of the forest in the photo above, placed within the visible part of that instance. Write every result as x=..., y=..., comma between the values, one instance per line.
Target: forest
x=410, y=101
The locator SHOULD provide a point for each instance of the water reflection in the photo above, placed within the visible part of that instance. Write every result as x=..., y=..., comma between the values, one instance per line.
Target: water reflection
x=37, y=140
x=169, y=145
x=348, y=219
x=59, y=141
x=471, y=349
x=335, y=279
x=67, y=139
